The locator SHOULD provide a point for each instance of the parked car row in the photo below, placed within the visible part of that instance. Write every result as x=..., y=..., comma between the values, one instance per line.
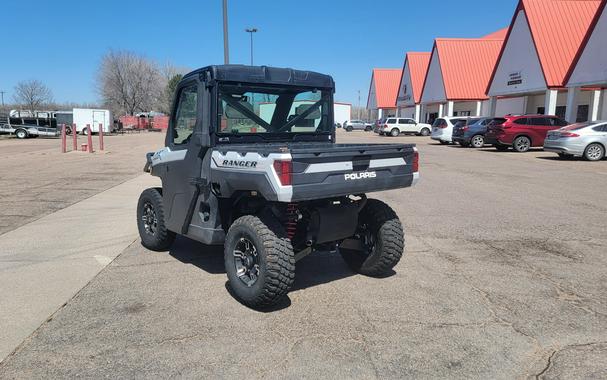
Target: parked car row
x=519, y=132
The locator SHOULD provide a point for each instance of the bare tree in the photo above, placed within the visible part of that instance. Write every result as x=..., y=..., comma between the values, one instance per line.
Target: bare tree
x=171, y=76
x=32, y=94
x=129, y=83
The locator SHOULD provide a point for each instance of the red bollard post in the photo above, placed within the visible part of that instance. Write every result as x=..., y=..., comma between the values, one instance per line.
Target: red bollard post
x=63, y=139
x=90, y=137
x=100, y=136
x=75, y=136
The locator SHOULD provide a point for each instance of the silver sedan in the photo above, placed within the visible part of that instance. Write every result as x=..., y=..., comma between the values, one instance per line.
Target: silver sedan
x=587, y=140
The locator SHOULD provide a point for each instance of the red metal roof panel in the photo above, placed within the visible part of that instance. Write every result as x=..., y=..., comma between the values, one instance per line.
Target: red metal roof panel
x=558, y=28
x=467, y=65
x=499, y=35
x=387, y=82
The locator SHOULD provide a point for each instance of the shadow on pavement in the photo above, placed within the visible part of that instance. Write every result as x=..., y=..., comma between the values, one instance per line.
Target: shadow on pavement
x=316, y=269
x=206, y=257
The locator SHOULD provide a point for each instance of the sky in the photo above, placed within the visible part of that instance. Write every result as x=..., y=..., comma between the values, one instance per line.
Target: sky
x=65, y=40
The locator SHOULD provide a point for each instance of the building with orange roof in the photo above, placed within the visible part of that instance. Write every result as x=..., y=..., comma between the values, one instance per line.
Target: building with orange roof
x=383, y=89
x=457, y=76
x=540, y=46
x=589, y=68
x=408, y=101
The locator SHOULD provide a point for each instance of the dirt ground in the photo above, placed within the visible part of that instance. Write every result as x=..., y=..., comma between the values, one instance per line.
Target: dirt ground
x=37, y=179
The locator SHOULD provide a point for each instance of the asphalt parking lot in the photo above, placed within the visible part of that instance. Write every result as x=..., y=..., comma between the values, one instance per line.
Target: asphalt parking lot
x=504, y=276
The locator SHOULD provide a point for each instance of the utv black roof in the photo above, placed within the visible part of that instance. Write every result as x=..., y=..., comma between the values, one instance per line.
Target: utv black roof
x=265, y=75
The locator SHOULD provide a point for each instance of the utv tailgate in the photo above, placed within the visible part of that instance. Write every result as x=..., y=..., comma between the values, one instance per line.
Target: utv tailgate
x=343, y=169
x=315, y=171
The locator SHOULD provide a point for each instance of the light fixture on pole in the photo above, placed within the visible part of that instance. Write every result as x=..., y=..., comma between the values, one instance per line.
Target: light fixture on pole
x=251, y=31
x=226, y=50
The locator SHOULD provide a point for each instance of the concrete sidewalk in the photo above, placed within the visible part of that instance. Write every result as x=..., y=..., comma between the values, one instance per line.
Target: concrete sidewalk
x=45, y=263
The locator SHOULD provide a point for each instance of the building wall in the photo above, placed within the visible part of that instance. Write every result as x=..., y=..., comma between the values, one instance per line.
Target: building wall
x=462, y=108
x=534, y=102
x=406, y=112
x=434, y=87
x=592, y=65
x=519, y=56
x=405, y=91
x=514, y=106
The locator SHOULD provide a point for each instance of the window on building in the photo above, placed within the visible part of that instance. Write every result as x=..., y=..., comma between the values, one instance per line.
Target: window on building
x=582, y=113
x=561, y=111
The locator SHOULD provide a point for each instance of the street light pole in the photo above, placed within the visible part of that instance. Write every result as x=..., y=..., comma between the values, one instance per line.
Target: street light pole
x=226, y=50
x=251, y=31
x=2, y=93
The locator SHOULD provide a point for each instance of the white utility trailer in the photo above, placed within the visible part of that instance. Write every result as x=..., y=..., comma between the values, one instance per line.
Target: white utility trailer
x=93, y=118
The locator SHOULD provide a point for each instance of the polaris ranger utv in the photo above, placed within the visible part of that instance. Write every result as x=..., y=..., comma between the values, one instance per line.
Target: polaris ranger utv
x=250, y=162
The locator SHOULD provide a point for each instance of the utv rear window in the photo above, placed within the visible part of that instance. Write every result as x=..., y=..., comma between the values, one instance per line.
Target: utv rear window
x=263, y=110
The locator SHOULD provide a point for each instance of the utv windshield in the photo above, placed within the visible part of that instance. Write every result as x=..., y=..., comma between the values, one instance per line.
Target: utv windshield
x=247, y=110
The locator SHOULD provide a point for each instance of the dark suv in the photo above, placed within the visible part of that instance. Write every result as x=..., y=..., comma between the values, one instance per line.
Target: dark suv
x=521, y=132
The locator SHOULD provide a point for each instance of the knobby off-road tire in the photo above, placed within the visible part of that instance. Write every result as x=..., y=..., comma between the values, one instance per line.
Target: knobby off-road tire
x=151, y=223
x=381, y=223
x=272, y=264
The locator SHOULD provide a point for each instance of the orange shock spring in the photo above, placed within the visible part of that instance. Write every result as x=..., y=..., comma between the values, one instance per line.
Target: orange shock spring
x=291, y=223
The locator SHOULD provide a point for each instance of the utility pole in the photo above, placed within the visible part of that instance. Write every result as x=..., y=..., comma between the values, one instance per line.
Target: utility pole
x=2, y=93
x=226, y=50
x=358, y=104
x=251, y=31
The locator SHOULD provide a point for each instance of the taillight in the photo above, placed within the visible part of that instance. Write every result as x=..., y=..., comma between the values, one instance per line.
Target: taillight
x=415, y=164
x=569, y=134
x=284, y=170
x=465, y=128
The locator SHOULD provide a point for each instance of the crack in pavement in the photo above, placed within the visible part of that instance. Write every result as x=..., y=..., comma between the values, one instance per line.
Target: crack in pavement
x=551, y=357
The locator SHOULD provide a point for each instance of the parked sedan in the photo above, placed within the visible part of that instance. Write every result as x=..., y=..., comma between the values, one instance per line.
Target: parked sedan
x=471, y=132
x=586, y=140
x=358, y=125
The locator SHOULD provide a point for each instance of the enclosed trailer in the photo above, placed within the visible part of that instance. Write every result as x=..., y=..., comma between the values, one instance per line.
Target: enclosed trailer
x=84, y=117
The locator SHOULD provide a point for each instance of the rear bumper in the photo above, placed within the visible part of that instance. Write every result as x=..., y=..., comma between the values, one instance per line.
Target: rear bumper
x=493, y=140
x=461, y=139
x=563, y=147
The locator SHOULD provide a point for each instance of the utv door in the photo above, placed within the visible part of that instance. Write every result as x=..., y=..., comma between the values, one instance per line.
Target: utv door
x=181, y=180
